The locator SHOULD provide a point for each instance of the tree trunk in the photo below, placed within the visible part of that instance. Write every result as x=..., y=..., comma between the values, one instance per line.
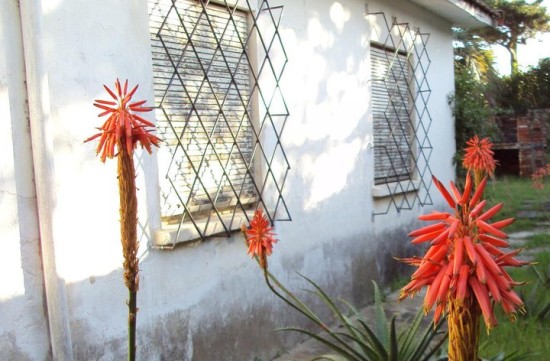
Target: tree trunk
x=513, y=49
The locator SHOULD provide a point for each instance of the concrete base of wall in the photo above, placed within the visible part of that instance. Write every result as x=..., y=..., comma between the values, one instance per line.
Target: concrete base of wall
x=249, y=331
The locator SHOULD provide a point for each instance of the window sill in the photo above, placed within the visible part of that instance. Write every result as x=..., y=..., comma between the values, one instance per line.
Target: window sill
x=168, y=237
x=389, y=189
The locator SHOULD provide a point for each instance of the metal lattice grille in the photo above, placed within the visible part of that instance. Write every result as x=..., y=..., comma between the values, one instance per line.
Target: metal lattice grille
x=215, y=113
x=400, y=94
x=390, y=110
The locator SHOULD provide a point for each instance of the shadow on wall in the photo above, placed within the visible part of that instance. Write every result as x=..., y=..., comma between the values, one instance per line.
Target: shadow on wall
x=327, y=141
x=329, y=144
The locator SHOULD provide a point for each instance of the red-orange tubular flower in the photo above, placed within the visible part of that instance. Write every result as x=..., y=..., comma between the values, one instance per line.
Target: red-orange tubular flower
x=464, y=258
x=260, y=238
x=123, y=127
x=479, y=156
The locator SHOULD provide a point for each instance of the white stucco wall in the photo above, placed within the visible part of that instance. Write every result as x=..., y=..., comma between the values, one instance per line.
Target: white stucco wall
x=23, y=326
x=201, y=302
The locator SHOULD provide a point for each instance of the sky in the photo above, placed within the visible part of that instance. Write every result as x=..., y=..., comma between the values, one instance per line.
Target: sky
x=528, y=54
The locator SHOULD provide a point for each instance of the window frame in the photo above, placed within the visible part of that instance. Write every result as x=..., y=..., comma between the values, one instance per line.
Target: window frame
x=266, y=59
x=409, y=181
x=389, y=31
x=224, y=220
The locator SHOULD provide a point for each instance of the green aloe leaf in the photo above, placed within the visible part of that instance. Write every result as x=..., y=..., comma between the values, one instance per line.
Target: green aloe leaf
x=330, y=358
x=394, y=347
x=381, y=321
x=355, y=340
x=377, y=345
x=349, y=353
x=407, y=338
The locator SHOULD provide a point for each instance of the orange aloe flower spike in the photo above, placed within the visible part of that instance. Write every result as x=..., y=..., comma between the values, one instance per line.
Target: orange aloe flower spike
x=467, y=189
x=478, y=193
x=453, y=228
x=479, y=156
x=462, y=283
x=481, y=272
x=497, y=242
x=260, y=238
x=492, y=249
x=491, y=212
x=442, y=237
x=484, y=302
x=444, y=286
x=493, y=288
x=438, y=255
x=512, y=297
x=428, y=229
x=490, y=229
x=427, y=237
x=459, y=255
x=444, y=192
x=478, y=208
x=503, y=223
x=435, y=216
x=456, y=193
x=487, y=260
x=438, y=312
x=470, y=250
x=424, y=271
x=433, y=289
x=123, y=127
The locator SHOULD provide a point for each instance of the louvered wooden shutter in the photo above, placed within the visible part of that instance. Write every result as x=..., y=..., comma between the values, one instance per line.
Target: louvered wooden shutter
x=391, y=115
x=202, y=91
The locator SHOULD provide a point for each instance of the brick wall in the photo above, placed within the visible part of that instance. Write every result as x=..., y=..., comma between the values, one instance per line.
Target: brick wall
x=523, y=145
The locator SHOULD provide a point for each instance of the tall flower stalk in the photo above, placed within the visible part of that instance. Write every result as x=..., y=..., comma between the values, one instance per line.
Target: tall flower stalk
x=122, y=131
x=464, y=267
x=259, y=238
x=352, y=338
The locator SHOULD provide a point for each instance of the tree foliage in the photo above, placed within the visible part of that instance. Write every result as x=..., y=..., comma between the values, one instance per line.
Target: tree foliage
x=471, y=51
x=521, y=20
x=526, y=90
x=471, y=108
x=480, y=92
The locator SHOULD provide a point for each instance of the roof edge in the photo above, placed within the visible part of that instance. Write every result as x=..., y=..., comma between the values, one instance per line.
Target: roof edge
x=463, y=13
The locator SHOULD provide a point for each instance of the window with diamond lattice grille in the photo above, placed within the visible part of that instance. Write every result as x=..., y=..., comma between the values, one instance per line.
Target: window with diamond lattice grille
x=202, y=94
x=391, y=108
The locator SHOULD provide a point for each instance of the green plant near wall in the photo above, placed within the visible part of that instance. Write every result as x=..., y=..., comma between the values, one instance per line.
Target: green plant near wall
x=353, y=338
x=381, y=340
x=358, y=339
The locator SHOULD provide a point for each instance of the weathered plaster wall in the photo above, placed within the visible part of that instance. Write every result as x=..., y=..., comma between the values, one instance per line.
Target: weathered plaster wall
x=209, y=302
x=23, y=327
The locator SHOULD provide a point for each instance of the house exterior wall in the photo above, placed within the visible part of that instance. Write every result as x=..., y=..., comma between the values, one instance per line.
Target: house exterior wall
x=23, y=325
x=205, y=301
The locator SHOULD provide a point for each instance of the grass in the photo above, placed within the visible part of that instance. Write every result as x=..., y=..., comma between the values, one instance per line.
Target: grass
x=538, y=240
x=528, y=335
x=519, y=197
x=524, y=338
